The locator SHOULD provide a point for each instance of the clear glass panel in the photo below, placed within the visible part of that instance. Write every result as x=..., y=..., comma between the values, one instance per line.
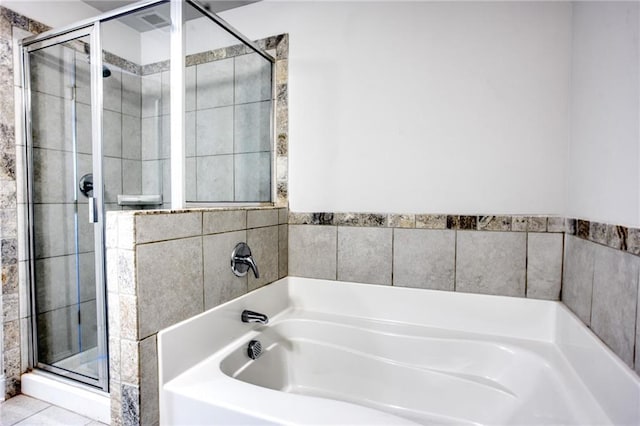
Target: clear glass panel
x=228, y=116
x=64, y=263
x=136, y=114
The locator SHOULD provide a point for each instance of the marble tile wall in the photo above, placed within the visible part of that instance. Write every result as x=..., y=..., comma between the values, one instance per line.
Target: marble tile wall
x=166, y=266
x=593, y=268
x=228, y=128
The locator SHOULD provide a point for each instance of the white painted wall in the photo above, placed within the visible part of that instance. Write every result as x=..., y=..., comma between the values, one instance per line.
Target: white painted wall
x=604, y=153
x=424, y=106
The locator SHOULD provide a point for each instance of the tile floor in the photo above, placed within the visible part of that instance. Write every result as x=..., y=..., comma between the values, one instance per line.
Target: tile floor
x=23, y=410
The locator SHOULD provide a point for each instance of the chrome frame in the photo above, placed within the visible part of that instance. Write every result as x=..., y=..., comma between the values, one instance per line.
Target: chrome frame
x=92, y=28
x=92, y=32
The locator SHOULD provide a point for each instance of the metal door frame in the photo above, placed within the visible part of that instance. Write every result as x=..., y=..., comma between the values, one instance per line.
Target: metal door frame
x=93, y=32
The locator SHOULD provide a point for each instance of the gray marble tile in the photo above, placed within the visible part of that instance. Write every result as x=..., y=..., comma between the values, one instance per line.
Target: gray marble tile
x=582, y=229
x=112, y=133
x=220, y=283
x=83, y=128
x=215, y=222
x=168, y=272
x=617, y=237
x=131, y=177
x=19, y=408
x=151, y=86
x=252, y=127
x=544, y=265
x=50, y=126
x=577, y=276
x=50, y=70
x=190, y=134
x=112, y=174
x=494, y=223
x=364, y=255
x=264, y=248
x=214, y=131
x=130, y=410
x=262, y=217
x=190, y=87
x=529, y=223
x=491, y=263
x=462, y=222
x=214, y=83
x=598, y=232
x=556, y=224
x=112, y=90
x=431, y=221
x=633, y=241
x=283, y=251
x=53, y=415
x=253, y=177
x=159, y=227
x=424, y=258
x=54, y=230
x=214, y=177
x=152, y=177
x=149, y=399
x=131, y=94
x=615, y=295
x=56, y=278
x=58, y=337
x=53, y=176
x=313, y=251
x=402, y=220
x=252, y=78
x=131, y=138
x=151, y=138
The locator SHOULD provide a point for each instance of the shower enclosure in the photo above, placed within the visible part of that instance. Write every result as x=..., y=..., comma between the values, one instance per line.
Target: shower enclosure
x=160, y=104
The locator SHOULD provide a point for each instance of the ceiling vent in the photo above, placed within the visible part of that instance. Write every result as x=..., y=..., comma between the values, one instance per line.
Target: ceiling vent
x=155, y=20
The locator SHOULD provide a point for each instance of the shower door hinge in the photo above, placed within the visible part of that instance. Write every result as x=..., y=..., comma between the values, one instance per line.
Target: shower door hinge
x=79, y=321
x=93, y=214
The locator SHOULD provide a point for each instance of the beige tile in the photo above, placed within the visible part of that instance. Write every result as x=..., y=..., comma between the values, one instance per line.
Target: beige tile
x=170, y=283
x=19, y=408
x=264, y=248
x=364, y=255
x=220, y=283
x=313, y=251
x=129, y=362
x=577, y=279
x=615, y=294
x=149, y=404
x=167, y=226
x=424, y=258
x=283, y=216
x=283, y=251
x=55, y=416
x=259, y=218
x=544, y=265
x=491, y=263
x=224, y=221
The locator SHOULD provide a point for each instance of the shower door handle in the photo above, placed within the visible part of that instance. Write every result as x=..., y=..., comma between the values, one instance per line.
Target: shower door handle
x=93, y=214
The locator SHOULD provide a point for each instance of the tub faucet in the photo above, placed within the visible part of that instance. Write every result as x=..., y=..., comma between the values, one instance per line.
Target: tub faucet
x=250, y=316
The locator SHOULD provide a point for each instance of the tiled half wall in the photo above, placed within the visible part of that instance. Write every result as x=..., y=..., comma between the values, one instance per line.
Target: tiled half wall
x=594, y=268
x=166, y=266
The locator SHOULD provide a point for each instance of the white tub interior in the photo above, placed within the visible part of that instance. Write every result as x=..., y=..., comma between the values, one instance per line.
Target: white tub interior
x=336, y=353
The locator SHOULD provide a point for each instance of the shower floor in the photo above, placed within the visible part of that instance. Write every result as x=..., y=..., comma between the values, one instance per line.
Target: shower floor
x=85, y=363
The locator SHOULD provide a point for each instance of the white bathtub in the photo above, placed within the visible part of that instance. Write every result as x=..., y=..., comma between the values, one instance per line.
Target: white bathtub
x=344, y=353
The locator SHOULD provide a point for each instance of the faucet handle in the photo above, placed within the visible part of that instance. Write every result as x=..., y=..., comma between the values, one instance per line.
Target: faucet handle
x=241, y=261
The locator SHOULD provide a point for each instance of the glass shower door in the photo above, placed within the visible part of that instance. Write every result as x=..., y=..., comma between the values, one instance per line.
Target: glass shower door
x=67, y=265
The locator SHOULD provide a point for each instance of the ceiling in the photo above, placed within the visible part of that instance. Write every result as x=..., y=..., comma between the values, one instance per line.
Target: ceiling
x=158, y=17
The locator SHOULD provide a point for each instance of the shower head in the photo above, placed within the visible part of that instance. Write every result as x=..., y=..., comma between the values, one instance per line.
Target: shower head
x=106, y=72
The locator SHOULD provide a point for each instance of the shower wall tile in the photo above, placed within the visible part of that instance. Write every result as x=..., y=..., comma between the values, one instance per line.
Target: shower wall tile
x=262, y=217
x=615, y=295
x=544, y=267
x=264, y=248
x=168, y=272
x=220, y=283
x=491, y=263
x=151, y=86
x=166, y=181
x=54, y=230
x=252, y=78
x=214, y=134
x=131, y=94
x=214, y=175
x=131, y=138
x=112, y=90
x=112, y=171
x=151, y=138
x=48, y=130
x=53, y=178
x=190, y=134
x=190, y=88
x=252, y=177
x=283, y=251
x=152, y=177
x=252, y=127
x=83, y=79
x=112, y=133
x=57, y=277
x=83, y=128
x=149, y=409
x=190, y=179
x=424, y=258
x=364, y=255
x=131, y=177
x=166, y=93
x=49, y=73
x=577, y=281
x=214, y=82
x=159, y=227
x=215, y=222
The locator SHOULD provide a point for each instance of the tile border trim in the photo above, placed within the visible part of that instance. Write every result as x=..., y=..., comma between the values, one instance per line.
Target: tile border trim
x=618, y=237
